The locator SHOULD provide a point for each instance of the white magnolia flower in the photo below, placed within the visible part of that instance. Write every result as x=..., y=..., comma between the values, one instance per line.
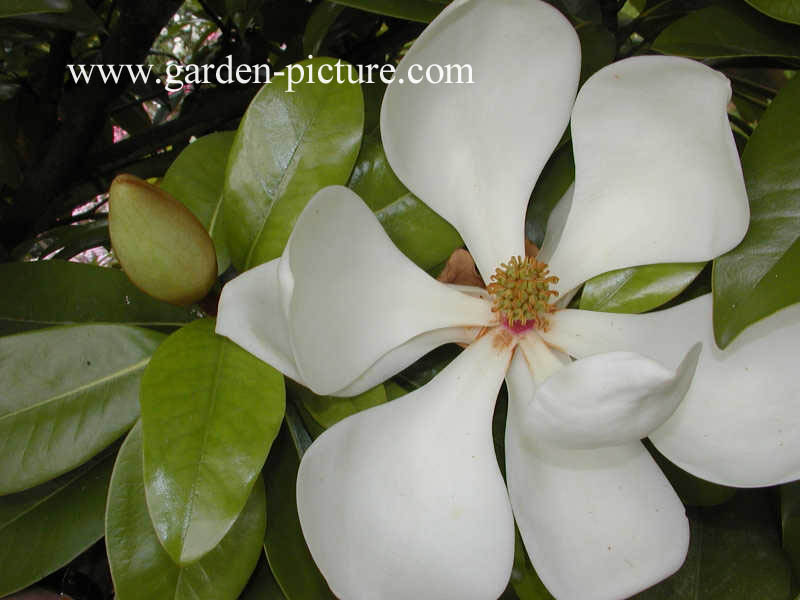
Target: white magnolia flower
x=406, y=500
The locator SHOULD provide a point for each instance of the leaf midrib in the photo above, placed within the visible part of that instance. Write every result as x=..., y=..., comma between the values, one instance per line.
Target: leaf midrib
x=280, y=189
x=82, y=388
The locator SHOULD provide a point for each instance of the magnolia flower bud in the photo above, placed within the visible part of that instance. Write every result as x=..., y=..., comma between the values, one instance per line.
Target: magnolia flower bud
x=160, y=244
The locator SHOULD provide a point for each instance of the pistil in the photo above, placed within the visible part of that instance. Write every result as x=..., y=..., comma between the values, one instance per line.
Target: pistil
x=522, y=294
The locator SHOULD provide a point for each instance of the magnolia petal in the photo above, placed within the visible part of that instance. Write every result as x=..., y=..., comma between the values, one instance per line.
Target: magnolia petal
x=406, y=354
x=473, y=152
x=598, y=524
x=739, y=424
x=607, y=399
x=251, y=315
x=354, y=296
x=667, y=186
x=405, y=500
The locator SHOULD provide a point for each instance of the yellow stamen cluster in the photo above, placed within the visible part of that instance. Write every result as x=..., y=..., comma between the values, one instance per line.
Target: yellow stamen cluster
x=521, y=290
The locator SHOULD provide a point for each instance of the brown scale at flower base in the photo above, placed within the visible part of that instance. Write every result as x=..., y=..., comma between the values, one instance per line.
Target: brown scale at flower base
x=521, y=291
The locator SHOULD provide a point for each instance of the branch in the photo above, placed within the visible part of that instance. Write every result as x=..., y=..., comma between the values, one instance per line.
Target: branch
x=83, y=111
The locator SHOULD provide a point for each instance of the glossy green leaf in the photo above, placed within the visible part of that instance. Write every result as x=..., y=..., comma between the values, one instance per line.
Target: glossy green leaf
x=13, y=8
x=329, y=410
x=320, y=21
x=65, y=241
x=422, y=11
x=45, y=293
x=420, y=233
x=68, y=393
x=760, y=276
x=734, y=554
x=197, y=178
x=373, y=178
x=557, y=175
x=288, y=555
x=288, y=147
x=598, y=48
x=783, y=10
x=638, y=289
x=262, y=584
x=727, y=30
x=140, y=567
x=394, y=390
x=44, y=528
x=210, y=411
x=524, y=580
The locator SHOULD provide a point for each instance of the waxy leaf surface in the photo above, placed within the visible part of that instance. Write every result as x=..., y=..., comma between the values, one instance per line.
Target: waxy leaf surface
x=68, y=393
x=421, y=234
x=140, y=567
x=197, y=178
x=728, y=30
x=45, y=293
x=210, y=411
x=734, y=554
x=288, y=555
x=638, y=289
x=289, y=145
x=760, y=276
x=783, y=10
x=44, y=528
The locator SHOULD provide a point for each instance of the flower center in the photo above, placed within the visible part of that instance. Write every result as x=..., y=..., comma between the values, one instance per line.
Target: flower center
x=522, y=294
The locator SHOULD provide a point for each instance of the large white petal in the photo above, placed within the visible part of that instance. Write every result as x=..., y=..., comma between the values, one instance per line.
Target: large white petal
x=250, y=313
x=405, y=500
x=607, y=399
x=598, y=524
x=353, y=296
x=404, y=355
x=739, y=424
x=473, y=152
x=657, y=175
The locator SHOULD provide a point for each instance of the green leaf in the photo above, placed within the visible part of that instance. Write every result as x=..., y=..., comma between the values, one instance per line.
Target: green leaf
x=197, y=178
x=288, y=147
x=420, y=233
x=288, y=555
x=524, y=580
x=557, y=175
x=80, y=17
x=44, y=293
x=65, y=241
x=783, y=10
x=210, y=411
x=790, y=522
x=44, y=528
x=638, y=289
x=373, y=178
x=140, y=567
x=67, y=393
x=329, y=410
x=728, y=30
x=262, y=585
x=734, y=554
x=318, y=24
x=423, y=11
x=13, y=8
x=598, y=48
x=760, y=276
